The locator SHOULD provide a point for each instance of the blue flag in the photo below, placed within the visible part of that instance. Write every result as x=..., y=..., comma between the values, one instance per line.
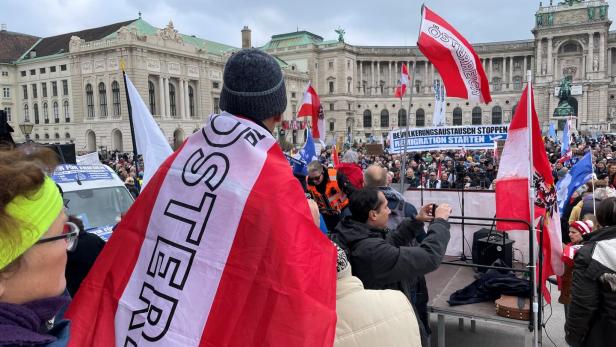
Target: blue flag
x=566, y=143
x=307, y=154
x=552, y=131
x=579, y=174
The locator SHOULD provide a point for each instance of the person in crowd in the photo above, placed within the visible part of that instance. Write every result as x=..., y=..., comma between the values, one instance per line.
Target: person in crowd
x=81, y=259
x=577, y=230
x=34, y=239
x=433, y=181
x=324, y=190
x=130, y=185
x=411, y=180
x=350, y=168
x=445, y=184
x=371, y=317
x=586, y=205
x=591, y=320
x=384, y=259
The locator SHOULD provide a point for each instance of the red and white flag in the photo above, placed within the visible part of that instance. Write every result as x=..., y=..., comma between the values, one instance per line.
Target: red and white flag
x=311, y=106
x=216, y=251
x=404, y=82
x=335, y=158
x=512, y=188
x=454, y=58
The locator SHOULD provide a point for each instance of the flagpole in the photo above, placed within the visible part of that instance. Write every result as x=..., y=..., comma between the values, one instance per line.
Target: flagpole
x=130, y=119
x=408, y=119
x=531, y=201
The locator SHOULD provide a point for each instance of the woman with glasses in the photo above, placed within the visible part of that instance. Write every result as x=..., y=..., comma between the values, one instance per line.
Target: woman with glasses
x=34, y=239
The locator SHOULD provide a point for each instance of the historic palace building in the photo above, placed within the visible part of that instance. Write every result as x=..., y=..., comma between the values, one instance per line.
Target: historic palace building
x=70, y=86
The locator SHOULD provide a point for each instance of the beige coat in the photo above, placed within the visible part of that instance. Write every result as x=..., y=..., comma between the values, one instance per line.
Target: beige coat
x=373, y=317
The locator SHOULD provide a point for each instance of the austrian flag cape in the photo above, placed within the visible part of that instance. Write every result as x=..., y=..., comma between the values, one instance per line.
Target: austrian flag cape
x=454, y=58
x=311, y=106
x=218, y=250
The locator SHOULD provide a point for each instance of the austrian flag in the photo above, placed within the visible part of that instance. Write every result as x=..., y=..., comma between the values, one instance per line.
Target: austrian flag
x=454, y=58
x=404, y=82
x=311, y=106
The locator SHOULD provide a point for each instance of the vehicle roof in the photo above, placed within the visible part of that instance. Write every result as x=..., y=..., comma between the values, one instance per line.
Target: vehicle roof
x=104, y=177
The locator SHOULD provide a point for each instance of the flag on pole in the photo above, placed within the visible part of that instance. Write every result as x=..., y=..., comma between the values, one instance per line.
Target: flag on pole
x=307, y=154
x=565, y=150
x=579, y=174
x=552, y=131
x=211, y=255
x=512, y=188
x=440, y=106
x=150, y=141
x=403, y=83
x=311, y=106
x=454, y=58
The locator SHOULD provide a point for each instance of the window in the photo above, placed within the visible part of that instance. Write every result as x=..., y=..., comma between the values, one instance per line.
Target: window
x=5, y=73
x=34, y=93
x=67, y=115
x=64, y=87
x=191, y=101
x=497, y=115
x=293, y=94
x=26, y=113
x=46, y=136
x=216, y=105
x=348, y=65
x=367, y=119
x=102, y=100
x=349, y=105
x=331, y=64
x=44, y=89
x=152, y=97
x=54, y=88
x=401, y=117
x=331, y=125
x=384, y=119
x=115, y=95
x=331, y=87
x=420, y=118
x=90, y=100
x=62, y=67
x=52, y=69
x=32, y=72
x=517, y=82
x=37, y=137
x=496, y=84
x=215, y=85
x=36, y=113
x=348, y=86
x=42, y=70
x=172, y=100
x=23, y=73
x=56, y=112
x=476, y=116
x=293, y=108
x=25, y=90
x=417, y=86
x=6, y=92
x=56, y=136
x=67, y=136
x=8, y=113
x=331, y=106
x=46, y=113
x=457, y=116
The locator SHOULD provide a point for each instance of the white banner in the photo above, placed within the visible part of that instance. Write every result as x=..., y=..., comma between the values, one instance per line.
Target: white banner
x=453, y=137
x=440, y=106
x=88, y=159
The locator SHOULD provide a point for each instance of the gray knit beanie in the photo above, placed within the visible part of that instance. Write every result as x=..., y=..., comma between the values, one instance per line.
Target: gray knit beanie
x=253, y=86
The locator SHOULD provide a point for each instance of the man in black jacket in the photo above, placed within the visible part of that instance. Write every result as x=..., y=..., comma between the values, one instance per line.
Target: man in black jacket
x=384, y=259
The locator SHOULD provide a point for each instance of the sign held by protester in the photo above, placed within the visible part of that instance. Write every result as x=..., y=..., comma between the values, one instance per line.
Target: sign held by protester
x=453, y=137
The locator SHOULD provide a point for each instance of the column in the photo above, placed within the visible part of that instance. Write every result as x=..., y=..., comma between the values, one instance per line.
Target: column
x=39, y=93
x=431, y=75
x=511, y=62
x=361, y=78
x=591, y=52
x=181, y=97
x=601, y=52
x=425, y=81
x=538, y=69
x=378, y=78
x=609, y=63
x=549, y=57
x=532, y=59
x=372, y=89
x=490, y=71
x=187, y=99
x=167, y=101
x=390, y=83
x=160, y=108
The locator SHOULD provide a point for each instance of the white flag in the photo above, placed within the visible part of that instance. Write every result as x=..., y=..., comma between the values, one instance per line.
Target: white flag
x=440, y=106
x=151, y=142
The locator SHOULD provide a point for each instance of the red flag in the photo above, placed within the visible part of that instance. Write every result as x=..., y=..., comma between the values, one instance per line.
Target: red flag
x=454, y=58
x=207, y=256
x=439, y=170
x=311, y=106
x=512, y=193
x=404, y=82
x=335, y=157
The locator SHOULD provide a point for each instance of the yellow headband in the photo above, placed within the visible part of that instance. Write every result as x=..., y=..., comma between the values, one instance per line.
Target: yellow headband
x=34, y=216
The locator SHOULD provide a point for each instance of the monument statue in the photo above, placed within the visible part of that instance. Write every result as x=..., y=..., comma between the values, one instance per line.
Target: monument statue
x=570, y=2
x=340, y=33
x=564, y=109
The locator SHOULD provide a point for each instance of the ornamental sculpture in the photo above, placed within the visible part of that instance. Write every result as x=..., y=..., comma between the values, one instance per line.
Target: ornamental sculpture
x=340, y=33
x=169, y=33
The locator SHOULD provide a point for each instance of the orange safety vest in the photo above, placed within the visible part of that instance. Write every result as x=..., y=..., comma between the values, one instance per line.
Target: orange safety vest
x=334, y=197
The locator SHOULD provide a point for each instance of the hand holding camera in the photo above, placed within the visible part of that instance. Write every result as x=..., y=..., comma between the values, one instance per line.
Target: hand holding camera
x=430, y=211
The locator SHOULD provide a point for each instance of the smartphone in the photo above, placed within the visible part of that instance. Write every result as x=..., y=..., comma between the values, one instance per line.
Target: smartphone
x=434, y=206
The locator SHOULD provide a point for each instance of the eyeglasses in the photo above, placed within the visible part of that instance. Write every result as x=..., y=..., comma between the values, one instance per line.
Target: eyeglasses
x=315, y=178
x=70, y=233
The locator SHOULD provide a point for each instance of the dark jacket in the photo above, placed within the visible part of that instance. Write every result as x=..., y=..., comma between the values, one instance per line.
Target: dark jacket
x=591, y=320
x=80, y=261
x=384, y=259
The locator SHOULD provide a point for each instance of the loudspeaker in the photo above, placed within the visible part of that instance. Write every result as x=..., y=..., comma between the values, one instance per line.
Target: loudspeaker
x=493, y=247
x=66, y=153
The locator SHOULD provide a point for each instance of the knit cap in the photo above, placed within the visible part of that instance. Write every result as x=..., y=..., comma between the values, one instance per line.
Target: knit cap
x=253, y=86
x=584, y=227
x=343, y=267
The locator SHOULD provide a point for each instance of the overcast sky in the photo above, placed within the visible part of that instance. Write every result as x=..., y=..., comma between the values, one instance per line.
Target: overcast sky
x=380, y=22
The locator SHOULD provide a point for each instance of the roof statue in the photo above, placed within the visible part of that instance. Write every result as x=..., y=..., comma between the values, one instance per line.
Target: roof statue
x=169, y=33
x=340, y=33
x=570, y=2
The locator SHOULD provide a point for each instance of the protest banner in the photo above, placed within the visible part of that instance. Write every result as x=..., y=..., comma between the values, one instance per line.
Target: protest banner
x=453, y=137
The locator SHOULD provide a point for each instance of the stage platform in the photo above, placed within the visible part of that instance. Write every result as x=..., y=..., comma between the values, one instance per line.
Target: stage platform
x=449, y=278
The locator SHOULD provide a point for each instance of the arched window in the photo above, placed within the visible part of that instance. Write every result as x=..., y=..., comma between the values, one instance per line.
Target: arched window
x=46, y=136
x=26, y=113
x=102, y=99
x=37, y=137
x=152, y=97
x=476, y=116
x=56, y=112
x=384, y=119
x=420, y=118
x=46, y=113
x=172, y=100
x=191, y=101
x=56, y=136
x=67, y=136
x=457, y=116
x=67, y=115
x=115, y=93
x=90, y=100
x=401, y=117
x=367, y=119
x=497, y=115
x=36, y=113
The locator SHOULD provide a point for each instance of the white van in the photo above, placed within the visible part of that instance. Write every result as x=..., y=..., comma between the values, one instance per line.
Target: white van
x=95, y=194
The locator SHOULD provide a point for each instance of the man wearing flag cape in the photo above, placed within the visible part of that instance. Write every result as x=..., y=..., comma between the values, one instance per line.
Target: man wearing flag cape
x=220, y=248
